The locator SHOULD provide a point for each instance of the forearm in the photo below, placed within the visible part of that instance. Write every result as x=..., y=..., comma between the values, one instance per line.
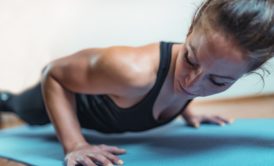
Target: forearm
x=60, y=105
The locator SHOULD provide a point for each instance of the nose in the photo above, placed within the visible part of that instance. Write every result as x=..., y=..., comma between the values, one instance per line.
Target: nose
x=193, y=81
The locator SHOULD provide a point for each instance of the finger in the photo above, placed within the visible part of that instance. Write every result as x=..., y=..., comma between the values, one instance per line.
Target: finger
x=193, y=122
x=213, y=120
x=102, y=160
x=231, y=120
x=85, y=161
x=226, y=120
x=89, y=162
x=222, y=119
x=70, y=163
x=113, y=149
x=113, y=158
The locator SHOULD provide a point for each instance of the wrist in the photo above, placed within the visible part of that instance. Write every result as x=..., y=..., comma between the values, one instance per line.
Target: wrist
x=74, y=145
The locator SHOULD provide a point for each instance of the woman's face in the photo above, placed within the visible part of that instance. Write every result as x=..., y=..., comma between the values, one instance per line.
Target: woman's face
x=208, y=64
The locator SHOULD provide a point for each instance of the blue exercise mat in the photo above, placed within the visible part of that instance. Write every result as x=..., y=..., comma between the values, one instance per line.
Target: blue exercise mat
x=244, y=143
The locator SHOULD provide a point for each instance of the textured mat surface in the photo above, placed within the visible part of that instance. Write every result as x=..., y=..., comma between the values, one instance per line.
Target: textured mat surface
x=246, y=142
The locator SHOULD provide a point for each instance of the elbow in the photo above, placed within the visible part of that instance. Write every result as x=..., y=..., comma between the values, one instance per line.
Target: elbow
x=48, y=73
x=52, y=75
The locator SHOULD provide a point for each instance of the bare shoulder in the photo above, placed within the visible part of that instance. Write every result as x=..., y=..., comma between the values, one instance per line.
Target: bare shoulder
x=112, y=70
x=133, y=68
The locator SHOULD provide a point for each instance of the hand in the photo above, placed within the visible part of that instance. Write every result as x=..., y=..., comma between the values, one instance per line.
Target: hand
x=196, y=120
x=91, y=155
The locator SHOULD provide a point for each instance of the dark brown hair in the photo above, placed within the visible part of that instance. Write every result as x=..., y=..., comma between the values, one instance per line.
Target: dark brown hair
x=249, y=22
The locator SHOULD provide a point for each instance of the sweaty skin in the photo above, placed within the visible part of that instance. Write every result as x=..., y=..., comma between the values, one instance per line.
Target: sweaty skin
x=126, y=75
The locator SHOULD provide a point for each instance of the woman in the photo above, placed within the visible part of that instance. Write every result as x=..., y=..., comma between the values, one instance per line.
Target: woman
x=122, y=88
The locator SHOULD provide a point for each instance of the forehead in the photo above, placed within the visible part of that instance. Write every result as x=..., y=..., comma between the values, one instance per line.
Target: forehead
x=218, y=54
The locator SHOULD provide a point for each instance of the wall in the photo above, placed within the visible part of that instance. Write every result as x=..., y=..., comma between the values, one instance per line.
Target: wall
x=34, y=32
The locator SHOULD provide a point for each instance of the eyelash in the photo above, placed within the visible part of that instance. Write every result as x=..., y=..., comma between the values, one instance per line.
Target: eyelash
x=193, y=65
x=216, y=83
x=187, y=59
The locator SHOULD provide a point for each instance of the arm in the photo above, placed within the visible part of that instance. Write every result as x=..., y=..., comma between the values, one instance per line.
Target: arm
x=86, y=72
x=60, y=104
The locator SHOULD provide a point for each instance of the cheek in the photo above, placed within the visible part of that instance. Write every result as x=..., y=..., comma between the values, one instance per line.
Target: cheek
x=210, y=89
x=182, y=69
x=205, y=87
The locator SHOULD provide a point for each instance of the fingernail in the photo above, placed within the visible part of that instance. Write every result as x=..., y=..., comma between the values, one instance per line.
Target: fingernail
x=196, y=125
x=120, y=162
x=110, y=164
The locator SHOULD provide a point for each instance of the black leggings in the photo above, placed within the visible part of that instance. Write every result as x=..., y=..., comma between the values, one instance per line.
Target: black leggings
x=29, y=106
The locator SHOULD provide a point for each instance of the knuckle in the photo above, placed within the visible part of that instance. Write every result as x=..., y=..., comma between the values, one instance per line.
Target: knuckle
x=90, y=155
x=87, y=161
x=116, y=148
x=105, y=161
x=80, y=158
x=103, y=147
x=113, y=157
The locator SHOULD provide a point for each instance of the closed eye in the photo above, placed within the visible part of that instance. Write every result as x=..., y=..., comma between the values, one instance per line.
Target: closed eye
x=188, y=60
x=216, y=83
